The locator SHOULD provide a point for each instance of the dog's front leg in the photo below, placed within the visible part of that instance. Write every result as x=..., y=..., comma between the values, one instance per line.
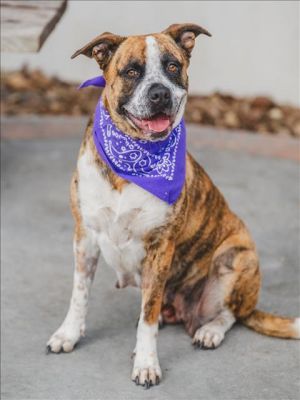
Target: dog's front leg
x=86, y=254
x=146, y=370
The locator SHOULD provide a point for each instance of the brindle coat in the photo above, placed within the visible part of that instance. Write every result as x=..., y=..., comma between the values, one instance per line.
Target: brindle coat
x=201, y=244
x=200, y=265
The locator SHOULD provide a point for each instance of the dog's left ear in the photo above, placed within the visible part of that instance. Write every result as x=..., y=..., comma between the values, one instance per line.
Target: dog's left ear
x=185, y=35
x=102, y=48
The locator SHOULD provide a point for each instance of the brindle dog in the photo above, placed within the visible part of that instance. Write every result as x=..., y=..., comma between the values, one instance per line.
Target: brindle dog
x=194, y=260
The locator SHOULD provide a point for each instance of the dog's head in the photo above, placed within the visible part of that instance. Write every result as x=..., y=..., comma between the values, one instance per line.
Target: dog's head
x=146, y=78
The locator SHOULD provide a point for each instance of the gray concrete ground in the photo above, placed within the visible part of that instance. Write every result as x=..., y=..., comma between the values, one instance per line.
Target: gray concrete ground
x=36, y=283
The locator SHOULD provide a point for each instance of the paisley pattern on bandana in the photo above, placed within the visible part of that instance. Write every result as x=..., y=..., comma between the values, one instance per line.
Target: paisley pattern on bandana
x=158, y=167
x=133, y=156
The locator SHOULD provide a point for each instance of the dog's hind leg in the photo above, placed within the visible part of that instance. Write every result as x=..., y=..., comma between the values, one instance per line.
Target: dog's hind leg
x=236, y=278
x=86, y=254
x=211, y=334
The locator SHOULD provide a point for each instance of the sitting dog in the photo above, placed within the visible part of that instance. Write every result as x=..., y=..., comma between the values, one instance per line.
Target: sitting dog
x=142, y=201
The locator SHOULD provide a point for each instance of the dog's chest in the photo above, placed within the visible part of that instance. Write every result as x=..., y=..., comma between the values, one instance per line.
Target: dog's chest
x=119, y=220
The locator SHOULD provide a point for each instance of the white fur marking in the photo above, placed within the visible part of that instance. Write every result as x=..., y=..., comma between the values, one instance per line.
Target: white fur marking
x=68, y=334
x=73, y=326
x=119, y=220
x=146, y=365
x=155, y=74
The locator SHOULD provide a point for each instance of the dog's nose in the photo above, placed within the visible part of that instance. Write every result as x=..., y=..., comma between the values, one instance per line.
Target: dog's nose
x=159, y=95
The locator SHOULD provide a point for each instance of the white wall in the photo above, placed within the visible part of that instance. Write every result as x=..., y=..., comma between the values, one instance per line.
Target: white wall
x=254, y=48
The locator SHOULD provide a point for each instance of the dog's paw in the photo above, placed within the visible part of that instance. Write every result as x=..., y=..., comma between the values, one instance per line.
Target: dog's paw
x=64, y=339
x=208, y=337
x=146, y=372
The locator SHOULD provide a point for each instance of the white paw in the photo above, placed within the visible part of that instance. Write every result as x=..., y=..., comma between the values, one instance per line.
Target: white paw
x=146, y=371
x=64, y=339
x=208, y=337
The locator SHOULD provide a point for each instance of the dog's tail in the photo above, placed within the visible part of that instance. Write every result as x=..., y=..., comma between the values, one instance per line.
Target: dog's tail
x=272, y=325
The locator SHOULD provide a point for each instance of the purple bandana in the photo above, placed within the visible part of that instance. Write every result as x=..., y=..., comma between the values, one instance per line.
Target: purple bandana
x=158, y=167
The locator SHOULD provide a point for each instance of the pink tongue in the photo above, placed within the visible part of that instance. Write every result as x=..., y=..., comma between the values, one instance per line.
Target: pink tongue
x=159, y=124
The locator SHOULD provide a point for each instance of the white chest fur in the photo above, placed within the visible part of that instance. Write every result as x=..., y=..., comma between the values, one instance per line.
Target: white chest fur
x=119, y=220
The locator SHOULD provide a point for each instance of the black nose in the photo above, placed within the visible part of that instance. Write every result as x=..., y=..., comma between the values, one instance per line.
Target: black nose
x=159, y=95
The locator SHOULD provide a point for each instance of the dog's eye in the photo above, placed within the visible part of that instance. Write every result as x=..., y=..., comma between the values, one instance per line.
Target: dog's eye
x=132, y=73
x=173, y=68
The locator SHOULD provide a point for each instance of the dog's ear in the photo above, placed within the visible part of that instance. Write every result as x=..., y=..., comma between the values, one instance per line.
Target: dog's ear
x=185, y=35
x=101, y=48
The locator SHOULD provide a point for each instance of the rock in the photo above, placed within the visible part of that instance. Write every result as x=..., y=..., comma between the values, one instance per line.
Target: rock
x=231, y=119
x=296, y=129
x=275, y=113
x=262, y=102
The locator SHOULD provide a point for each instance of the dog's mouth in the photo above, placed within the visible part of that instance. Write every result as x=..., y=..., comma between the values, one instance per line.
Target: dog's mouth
x=157, y=124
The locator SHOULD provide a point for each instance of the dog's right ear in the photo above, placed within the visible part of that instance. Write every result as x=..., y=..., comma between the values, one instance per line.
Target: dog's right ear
x=185, y=35
x=102, y=48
